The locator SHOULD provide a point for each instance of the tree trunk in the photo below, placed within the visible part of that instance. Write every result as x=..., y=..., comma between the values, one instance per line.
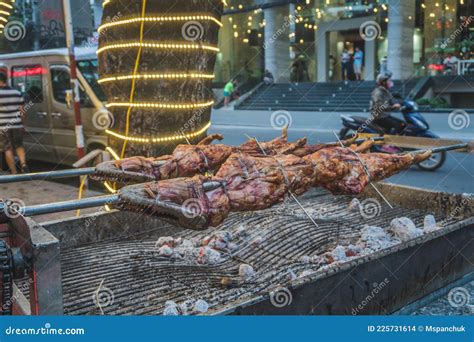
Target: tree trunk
x=179, y=91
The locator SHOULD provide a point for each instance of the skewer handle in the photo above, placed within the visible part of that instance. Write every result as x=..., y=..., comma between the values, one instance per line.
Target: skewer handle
x=46, y=175
x=58, y=207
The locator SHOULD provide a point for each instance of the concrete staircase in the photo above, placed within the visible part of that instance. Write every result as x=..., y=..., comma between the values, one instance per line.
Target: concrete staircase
x=324, y=97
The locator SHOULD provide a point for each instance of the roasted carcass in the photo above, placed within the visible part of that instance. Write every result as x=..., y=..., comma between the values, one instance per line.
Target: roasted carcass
x=246, y=183
x=189, y=160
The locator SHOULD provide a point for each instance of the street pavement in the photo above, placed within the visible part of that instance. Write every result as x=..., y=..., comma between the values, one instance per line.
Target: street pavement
x=456, y=176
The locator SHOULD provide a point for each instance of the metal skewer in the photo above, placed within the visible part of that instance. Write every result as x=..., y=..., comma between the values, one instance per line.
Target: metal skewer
x=7, y=212
x=47, y=175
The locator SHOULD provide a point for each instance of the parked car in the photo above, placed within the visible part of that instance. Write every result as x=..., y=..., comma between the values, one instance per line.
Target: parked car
x=43, y=78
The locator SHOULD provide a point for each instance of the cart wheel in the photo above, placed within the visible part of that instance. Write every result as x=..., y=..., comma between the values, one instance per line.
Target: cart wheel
x=434, y=162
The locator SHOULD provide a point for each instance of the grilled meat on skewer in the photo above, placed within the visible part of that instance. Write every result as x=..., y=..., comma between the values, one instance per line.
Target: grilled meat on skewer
x=373, y=167
x=189, y=160
x=246, y=183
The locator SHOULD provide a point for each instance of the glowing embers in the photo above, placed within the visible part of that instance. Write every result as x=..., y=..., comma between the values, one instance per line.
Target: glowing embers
x=156, y=77
x=161, y=139
x=160, y=19
x=176, y=46
x=160, y=105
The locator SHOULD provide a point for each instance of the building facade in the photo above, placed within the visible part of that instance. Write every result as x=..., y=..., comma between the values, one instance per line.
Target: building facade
x=303, y=41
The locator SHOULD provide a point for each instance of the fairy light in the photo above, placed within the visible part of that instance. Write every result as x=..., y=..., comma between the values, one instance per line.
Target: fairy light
x=110, y=188
x=160, y=105
x=159, y=19
x=178, y=46
x=112, y=153
x=160, y=139
x=155, y=76
x=6, y=5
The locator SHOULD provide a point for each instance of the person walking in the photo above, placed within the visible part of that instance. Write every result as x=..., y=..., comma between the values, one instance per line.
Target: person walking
x=358, y=60
x=345, y=64
x=11, y=125
x=229, y=91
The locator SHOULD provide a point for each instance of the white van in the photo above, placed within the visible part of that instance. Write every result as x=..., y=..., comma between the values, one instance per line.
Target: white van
x=43, y=78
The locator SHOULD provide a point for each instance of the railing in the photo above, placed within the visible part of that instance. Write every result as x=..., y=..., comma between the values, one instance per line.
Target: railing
x=464, y=65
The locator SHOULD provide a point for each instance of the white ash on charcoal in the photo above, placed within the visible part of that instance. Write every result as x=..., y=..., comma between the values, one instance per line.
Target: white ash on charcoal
x=171, y=309
x=354, y=205
x=430, y=224
x=165, y=251
x=205, y=251
x=201, y=306
x=404, y=229
x=306, y=273
x=374, y=239
x=241, y=232
x=246, y=272
x=339, y=254
x=305, y=259
x=291, y=275
x=188, y=307
x=209, y=256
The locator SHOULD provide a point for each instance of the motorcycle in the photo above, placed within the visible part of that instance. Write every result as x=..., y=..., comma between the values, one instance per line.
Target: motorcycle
x=414, y=125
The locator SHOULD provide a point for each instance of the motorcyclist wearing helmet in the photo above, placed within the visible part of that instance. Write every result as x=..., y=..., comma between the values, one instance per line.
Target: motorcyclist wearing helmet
x=383, y=103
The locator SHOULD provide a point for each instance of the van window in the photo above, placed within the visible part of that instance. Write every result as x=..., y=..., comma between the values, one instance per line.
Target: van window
x=29, y=81
x=61, y=82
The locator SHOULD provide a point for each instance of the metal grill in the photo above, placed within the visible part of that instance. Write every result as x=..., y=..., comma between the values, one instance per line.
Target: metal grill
x=137, y=282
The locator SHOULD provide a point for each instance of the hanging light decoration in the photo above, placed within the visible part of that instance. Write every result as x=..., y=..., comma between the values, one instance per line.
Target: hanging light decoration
x=6, y=8
x=156, y=63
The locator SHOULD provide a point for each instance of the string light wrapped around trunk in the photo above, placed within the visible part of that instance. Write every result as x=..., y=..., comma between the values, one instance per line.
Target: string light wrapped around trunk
x=156, y=64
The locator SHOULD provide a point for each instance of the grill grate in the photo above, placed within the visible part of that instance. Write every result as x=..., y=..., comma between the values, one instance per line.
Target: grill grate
x=135, y=282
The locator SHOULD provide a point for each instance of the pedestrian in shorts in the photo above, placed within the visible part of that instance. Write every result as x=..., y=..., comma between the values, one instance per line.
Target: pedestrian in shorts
x=11, y=126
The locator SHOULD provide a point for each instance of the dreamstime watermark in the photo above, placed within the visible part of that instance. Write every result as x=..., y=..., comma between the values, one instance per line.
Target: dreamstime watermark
x=103, y=120
x=47, y=329
x=14, y=31
x=459, y=119
x=281, y=297
x=13, y=208
x=94, y=41
x=14, y=121
x=22, y=288
x=377, y=288
x=457, y=212
x=370, y=30
x=192, y=31
x=191, y=208
x=281, y=119
x=370, y=208
x=281, y=31
x=452, y=37
x=103, y=297
x=459, y=297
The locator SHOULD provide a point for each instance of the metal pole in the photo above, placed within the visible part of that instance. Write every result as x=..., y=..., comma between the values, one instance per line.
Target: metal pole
x=74, y=82
x=46, y=175
x=58, y=207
